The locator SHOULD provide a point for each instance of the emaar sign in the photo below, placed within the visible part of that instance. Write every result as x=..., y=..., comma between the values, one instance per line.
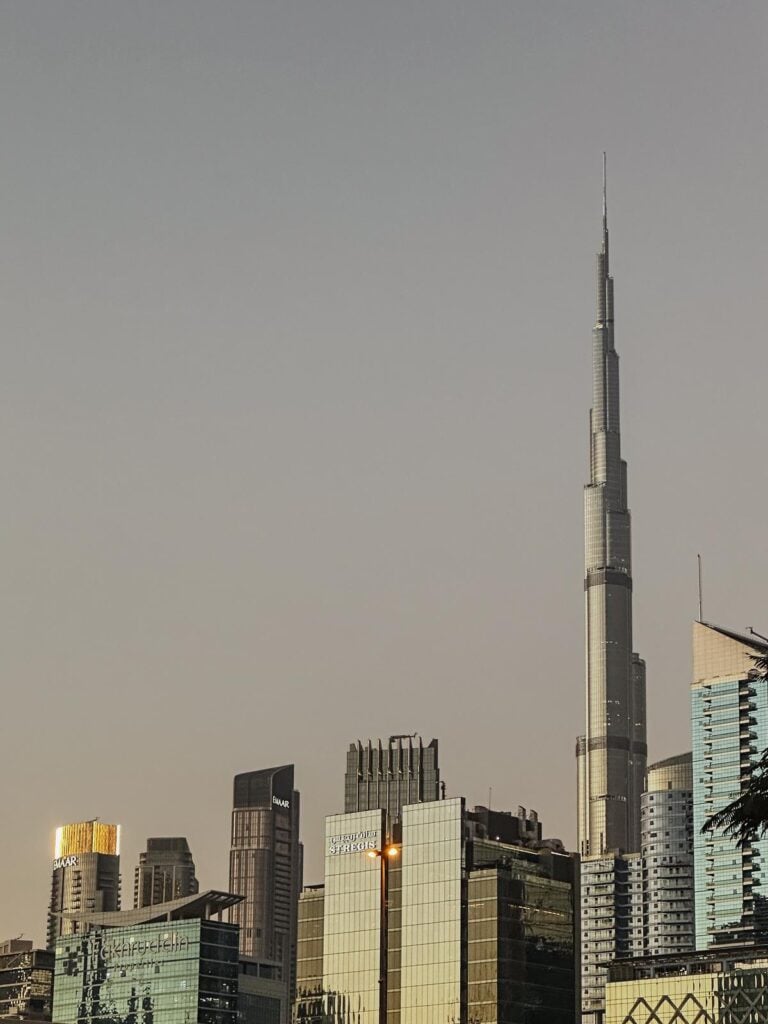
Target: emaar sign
x=280, y=803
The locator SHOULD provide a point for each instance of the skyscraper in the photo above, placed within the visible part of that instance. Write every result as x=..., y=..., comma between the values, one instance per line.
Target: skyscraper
x=667, y=849
x=388, y=777
x=265, y=867
x=446, y=923
x=86, y=873
x=165, y=872
x=611, y=755
x=729, y=716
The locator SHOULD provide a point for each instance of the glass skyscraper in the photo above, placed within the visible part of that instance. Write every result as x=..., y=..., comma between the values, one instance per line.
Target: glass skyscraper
x=433, y=920
x=390, y=776
x=611, y=754
x=729, y=715
x=265, y=864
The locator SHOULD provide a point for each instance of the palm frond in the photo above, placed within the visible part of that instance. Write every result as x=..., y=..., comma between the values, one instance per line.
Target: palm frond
x=745, y=819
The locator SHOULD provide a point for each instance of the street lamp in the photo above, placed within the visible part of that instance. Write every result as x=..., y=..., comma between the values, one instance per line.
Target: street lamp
x=384, y=856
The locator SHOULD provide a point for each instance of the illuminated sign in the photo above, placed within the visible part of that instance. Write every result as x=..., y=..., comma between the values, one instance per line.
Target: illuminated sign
x=66, y=862
x=354, y=842
x=280, y=803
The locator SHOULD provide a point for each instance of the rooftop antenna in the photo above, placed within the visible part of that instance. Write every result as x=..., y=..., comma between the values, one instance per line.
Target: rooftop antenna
x=701, y=619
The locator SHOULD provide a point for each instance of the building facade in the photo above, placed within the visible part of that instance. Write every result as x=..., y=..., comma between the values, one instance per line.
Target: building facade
x=432, y=919
x=611, y=755
x=261, y=995
x=729, y=717
x=173, y=963
x=26, y=981
x=611, y=923
x=666, y=813
x=641, y=904
x=86, y=873
x=265, y=865
x=309, y=1003
x=165, y=872
x=390, y=776
x=728, y=987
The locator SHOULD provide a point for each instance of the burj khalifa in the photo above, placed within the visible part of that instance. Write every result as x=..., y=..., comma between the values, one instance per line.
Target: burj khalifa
x=611, y=755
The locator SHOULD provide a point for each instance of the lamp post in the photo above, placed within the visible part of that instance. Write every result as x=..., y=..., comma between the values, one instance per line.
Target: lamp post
x=384, y=855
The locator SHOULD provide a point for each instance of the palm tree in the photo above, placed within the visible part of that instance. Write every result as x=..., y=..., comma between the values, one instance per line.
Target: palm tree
x=746, y=818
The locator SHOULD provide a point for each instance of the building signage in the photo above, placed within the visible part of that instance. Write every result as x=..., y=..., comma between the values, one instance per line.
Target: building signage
x=280, y=803
x=354, y=842
x=120, y=949
x=65, y=862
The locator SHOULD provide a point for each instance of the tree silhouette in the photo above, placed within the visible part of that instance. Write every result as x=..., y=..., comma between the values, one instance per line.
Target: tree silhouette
x=746, y=818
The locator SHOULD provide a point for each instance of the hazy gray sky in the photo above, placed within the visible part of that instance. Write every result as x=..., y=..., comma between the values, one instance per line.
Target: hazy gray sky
x=296, y=305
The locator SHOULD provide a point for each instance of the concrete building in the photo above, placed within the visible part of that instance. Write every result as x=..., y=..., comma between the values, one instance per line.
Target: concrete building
x=713, y=987
x=165, y=872
x=729, y=715
x=640, y=904
x=261, y=996
x=611, y=754
x=26, y=981
x=388, y=776
x=666, y=813
x=611, y=923
x=86, y=874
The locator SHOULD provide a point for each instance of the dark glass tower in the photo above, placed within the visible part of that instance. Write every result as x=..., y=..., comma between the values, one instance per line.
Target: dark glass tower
x=165, y=872
x=611, y=755
x=389, y=777
x=265, y=867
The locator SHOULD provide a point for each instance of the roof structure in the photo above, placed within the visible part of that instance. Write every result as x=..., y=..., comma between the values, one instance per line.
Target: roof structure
x=203, y=905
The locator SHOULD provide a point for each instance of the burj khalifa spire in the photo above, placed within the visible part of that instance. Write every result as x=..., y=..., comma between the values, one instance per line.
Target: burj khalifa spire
x=611, y=755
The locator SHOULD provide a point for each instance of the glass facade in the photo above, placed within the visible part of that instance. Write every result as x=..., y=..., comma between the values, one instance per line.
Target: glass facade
x=433, y=983
x=309, y=1006
x=389, y=777
x=729, y=714
x=521, y=944
x=169, y=973
x=265, y=866
x=353, y=951
x=400, y=927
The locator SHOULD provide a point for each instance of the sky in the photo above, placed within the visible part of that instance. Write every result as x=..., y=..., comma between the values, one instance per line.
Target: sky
x=296, y=303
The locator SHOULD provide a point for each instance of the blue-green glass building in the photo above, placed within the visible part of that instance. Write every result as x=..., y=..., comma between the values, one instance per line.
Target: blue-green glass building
x=729, y=714
x=124, y=969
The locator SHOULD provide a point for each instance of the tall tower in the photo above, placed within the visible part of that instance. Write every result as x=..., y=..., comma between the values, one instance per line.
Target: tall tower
x=265, y=867
x=86, y=874
x=166, y=871
x=402, y=772
x=611, y=755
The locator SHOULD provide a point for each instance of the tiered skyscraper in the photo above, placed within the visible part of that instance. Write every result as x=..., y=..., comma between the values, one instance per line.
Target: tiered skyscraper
x=611, y=756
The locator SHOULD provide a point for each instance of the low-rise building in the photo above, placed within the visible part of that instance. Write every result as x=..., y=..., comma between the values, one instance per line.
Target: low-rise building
x=726, y=986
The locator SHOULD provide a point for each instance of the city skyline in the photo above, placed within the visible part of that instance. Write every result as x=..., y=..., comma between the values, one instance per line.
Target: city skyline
x=296, y=306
